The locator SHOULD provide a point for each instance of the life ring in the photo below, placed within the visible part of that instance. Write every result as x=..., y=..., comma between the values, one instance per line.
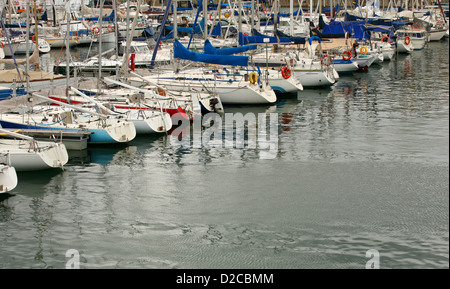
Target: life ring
x=265, y=11
x=286, y=72
x=347, y=55
x=385, y=39
x=363, y=50
x=33, y=38
x=326, y=60
x=407, y=40
x=96, y=30
x=131, y=63
x=111, y=28
x=253, y=78
x=2, y=33
x=227, y=15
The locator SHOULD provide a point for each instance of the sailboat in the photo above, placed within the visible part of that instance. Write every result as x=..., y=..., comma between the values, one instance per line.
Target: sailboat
x=104, y=129
x=232, y=88
x=313, y=70
x=34, y=80
x=122, y=104
x=27, y=154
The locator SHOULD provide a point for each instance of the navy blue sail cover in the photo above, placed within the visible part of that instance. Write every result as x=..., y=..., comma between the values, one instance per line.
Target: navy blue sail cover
x=209, y=49
x=182, y=52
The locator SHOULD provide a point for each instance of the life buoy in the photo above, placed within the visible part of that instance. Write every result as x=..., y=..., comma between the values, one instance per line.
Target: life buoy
x=161, y=91
x=286, y=72
x=347, y=55
x=386, y=39
x=111, y=28
x=131, y=63
x=265, y=11
x=253, y=78
x=2, y=33
x=326, y=60
x=407, y=40
x=33, y=38
x=96, y=30
x=363, y=50
x=227, y=15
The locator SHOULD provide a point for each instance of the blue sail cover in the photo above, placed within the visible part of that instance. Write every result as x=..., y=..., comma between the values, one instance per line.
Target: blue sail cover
x=109, y=18
x=196, y=30
x=382, y=29
x=244, y=39
x=182, y=52
x=337, y=29
x=209, y=49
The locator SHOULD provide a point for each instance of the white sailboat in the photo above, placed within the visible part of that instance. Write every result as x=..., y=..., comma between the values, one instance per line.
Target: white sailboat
x=313, y=70
x=104, y=129
x=27, y=154
x=123, y=104
x=232, y=87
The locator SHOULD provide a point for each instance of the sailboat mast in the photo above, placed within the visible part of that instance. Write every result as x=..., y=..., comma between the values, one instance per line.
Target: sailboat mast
x=100, y=47
x=205, y=17
x=36, y=34
x=27, y=45
x=67, y=49
x=291, y=17
x=239, y=16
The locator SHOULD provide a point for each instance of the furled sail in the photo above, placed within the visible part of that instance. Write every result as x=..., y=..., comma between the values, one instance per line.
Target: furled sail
x=210, y=49
x=182, y=52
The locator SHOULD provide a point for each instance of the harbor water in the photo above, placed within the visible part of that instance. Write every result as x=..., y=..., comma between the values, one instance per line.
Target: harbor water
x=360, y=167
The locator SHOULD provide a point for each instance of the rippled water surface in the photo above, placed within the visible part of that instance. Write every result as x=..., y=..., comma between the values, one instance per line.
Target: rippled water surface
x=362, y=165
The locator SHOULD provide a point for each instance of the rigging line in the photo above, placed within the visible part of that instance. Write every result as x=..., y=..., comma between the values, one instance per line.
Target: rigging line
x=10, y=48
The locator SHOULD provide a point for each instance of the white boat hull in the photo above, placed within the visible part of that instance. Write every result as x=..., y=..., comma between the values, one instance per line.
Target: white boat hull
x=388, y=54
x=313, y=78
x=156, y=123
x=418, y=43
x=17, y=48
x=345, y=66
x=229, y=92
x=436, y=35
x=403, y=48
x=8, y=178
x=364, y=61
x=50, y=155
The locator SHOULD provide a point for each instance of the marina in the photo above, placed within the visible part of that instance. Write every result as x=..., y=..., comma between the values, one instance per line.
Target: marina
x=224, y=134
